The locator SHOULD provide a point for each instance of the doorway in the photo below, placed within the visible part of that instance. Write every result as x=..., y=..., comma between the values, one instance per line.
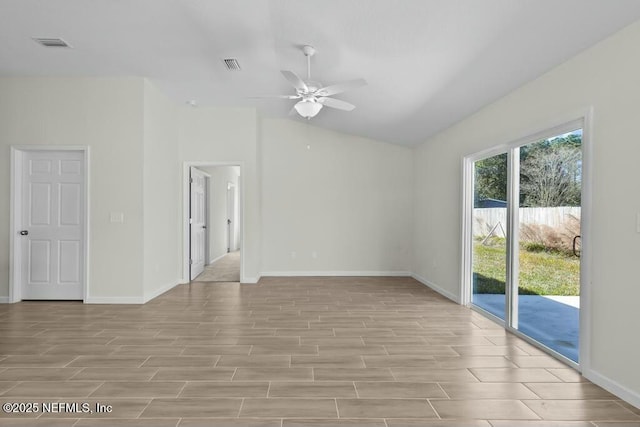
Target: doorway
x=523, y=238
x=49, y=246
x=222, y=237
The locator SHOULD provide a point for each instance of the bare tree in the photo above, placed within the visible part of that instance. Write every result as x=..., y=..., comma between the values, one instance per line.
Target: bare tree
x=551, y=177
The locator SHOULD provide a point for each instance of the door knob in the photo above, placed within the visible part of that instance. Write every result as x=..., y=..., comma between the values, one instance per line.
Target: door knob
x=24, y=232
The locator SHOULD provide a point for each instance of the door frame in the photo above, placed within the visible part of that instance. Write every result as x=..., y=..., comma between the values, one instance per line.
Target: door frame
x=15, y=212
x=186, y=165
x=584, y=120
x=231, y=235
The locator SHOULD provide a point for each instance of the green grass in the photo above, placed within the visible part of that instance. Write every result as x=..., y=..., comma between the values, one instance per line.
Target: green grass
x=541, y=273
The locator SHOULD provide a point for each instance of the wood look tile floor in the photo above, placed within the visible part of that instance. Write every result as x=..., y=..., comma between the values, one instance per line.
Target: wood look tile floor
x=287, y=352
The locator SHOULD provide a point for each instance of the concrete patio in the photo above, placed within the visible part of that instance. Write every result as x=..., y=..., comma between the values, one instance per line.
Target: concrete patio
x=550, y=320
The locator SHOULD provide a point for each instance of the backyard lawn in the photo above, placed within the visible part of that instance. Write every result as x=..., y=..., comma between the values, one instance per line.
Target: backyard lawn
x=541, y=273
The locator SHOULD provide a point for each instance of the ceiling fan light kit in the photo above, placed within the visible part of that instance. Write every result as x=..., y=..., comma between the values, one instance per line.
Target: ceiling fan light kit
x=307, y=108
x=312, y=95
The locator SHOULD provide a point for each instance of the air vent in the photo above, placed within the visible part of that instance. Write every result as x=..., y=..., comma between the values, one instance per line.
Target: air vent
x=52, y=42
x=232, y=64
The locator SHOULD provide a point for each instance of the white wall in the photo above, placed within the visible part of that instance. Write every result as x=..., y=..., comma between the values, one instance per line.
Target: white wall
x=605, y=77
x=217, y=227
x=212, y=135
x=135, y=168
x=162, y=204
x=106, y=115
x=347, y=199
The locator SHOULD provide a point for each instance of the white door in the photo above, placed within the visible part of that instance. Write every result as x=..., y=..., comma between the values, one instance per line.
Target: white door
x=197, y=222
x=52, y=225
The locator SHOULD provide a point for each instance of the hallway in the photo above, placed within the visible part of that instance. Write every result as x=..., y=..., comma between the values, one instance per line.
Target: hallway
x=226, y=269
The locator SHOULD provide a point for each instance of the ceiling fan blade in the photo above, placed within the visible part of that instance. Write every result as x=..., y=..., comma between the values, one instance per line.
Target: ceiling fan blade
x=295, y=80
x=336, y=103
x=340, y=87
x=275, y=97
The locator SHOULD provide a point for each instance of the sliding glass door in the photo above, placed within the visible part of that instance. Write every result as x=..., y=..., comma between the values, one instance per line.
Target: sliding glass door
x=525, y=239
x=549, y=215
x=489, y=225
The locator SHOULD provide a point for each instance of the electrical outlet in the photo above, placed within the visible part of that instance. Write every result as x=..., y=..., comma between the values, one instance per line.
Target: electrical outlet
x=116, y=217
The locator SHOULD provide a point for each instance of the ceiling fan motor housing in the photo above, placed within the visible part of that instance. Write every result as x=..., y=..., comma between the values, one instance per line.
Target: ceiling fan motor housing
x=312, y=85
x=308, y=50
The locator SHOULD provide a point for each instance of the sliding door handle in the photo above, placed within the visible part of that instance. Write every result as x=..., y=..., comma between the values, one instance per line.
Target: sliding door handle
x=576, y=251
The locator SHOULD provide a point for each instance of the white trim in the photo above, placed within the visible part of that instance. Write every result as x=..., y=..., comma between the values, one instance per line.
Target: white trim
x=15, y=209
x=512, y=278
x=559, y=129
x=14, y=200
x=114, y=300
x=612, y=386
x=87, y=219
x=230, y=232
x=217, y=259
x=436, y=288
x=148, y=296
x=586, y=203
x=186, y=165
x=251, y=280
x=334, y=273
x=466, y=275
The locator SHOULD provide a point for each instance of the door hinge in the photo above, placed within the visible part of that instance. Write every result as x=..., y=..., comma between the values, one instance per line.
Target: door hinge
x=190, y=180
x=190, y=220
x=190, y=261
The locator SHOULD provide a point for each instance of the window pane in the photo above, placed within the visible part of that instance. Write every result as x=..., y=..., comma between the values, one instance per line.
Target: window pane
x=489, y=234
x=549, y=269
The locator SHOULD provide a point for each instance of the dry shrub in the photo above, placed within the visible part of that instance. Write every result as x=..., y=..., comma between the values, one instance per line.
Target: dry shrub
x=541, y=237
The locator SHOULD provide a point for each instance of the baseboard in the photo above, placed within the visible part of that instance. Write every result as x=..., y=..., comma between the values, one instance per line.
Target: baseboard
x=614, y=387
x=250, y=280
x=436, y=288
x=216, y=259
x=151, y=295
x=114, y=300
x=335, y=273
x=4, y=300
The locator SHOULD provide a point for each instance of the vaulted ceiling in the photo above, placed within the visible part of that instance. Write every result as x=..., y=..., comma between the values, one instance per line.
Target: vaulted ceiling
x=428, y=63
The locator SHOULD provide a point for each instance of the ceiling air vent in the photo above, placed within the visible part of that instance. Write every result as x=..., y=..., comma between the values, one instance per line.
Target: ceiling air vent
x=52, y=42
x=232, y=64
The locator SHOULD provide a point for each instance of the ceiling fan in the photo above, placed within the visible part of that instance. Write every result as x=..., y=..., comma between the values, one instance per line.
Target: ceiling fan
x=312, y=95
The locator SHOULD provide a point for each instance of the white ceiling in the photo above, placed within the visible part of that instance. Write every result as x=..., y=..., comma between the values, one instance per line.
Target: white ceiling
x=429, y=63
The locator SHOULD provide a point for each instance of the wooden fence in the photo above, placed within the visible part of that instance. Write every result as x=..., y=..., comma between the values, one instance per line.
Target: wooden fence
x=486, y=219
